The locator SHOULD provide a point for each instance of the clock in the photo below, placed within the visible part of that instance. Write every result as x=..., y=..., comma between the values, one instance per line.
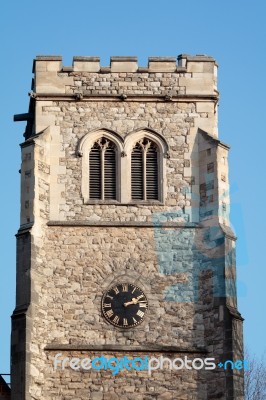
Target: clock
x=124, y=305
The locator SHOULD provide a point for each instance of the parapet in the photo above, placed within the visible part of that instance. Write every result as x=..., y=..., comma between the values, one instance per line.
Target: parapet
x=189, y=75
x=184, y=62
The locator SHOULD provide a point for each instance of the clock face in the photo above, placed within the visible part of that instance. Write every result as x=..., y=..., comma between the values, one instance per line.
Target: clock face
x=124, y=305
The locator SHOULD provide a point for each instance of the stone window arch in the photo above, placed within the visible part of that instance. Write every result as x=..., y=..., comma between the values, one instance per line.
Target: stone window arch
x=101, y=168
x=129, y=170
x=145, y=176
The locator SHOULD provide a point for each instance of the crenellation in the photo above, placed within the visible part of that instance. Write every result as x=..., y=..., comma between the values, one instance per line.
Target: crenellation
x=162, y=64
x=165, y=70
x=123, y=64
x=86, y=64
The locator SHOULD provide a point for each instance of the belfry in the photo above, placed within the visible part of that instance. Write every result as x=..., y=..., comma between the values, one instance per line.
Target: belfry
x=124, y=249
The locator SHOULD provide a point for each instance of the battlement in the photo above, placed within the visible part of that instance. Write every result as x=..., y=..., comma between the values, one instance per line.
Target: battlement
x=164, y=76
x=183, y=63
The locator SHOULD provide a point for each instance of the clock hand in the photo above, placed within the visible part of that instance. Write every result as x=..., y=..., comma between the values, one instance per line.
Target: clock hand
x=128, y=303
x=134, y=301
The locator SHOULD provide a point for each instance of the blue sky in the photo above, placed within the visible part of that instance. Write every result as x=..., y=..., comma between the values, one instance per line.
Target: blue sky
x=231, y=31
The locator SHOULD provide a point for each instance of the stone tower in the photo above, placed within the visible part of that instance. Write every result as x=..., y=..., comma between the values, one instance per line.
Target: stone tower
x=124, y=248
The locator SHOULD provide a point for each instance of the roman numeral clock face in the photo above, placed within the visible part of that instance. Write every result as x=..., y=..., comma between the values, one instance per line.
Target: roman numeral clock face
x=124, y=305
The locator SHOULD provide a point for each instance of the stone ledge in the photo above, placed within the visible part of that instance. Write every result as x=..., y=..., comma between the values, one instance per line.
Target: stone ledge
x=124, y=58
x=132, y=203
x=48, y=58
x=105, y=70
x=127, y=224
x=149, y=348
x=67, y=69
x=129, y=97
x=197, y=57
x=143, y=69
x=84, y=58
x=162, y=59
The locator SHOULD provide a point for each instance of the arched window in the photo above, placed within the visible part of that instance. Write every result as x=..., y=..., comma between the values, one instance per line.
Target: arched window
x=103, y=170
x=144, y=171
x=123, y=170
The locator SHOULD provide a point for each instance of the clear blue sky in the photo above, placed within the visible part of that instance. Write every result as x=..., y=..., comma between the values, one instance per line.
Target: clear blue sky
x=231, y=31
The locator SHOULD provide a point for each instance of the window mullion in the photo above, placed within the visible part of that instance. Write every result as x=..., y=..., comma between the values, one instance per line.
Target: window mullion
x=102, y=173
x=144, y=155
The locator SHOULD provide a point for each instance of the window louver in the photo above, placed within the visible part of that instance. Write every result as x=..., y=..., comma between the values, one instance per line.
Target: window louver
x=152, y=174
x=102, y=170
x=95, y=172
x=137, y=173
x=109, y=174
x=144, y=165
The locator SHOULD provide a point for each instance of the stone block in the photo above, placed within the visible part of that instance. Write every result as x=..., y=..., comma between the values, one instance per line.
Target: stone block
x=53, y=66
x=199, y=86
x=51, y=82
x=162, y=64
x=96, y=395
x=86, y=64
x=124, y=64
x=205, y=106
x=47, y=63
x=206, y=76
x=203, y=66
x=40, y=66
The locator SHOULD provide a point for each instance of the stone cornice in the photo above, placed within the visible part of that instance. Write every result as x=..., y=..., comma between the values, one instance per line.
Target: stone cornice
x=85, y=96
x=149, y=348
x=126, y=224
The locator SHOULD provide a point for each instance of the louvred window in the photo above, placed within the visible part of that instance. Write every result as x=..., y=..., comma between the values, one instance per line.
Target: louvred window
x=102, y=176
x=144, y=171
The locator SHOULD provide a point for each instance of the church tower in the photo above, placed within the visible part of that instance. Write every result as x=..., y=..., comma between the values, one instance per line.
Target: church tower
x=125, y=256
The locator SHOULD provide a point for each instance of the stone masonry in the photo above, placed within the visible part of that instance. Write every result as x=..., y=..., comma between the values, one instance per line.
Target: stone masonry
x=180, y=249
